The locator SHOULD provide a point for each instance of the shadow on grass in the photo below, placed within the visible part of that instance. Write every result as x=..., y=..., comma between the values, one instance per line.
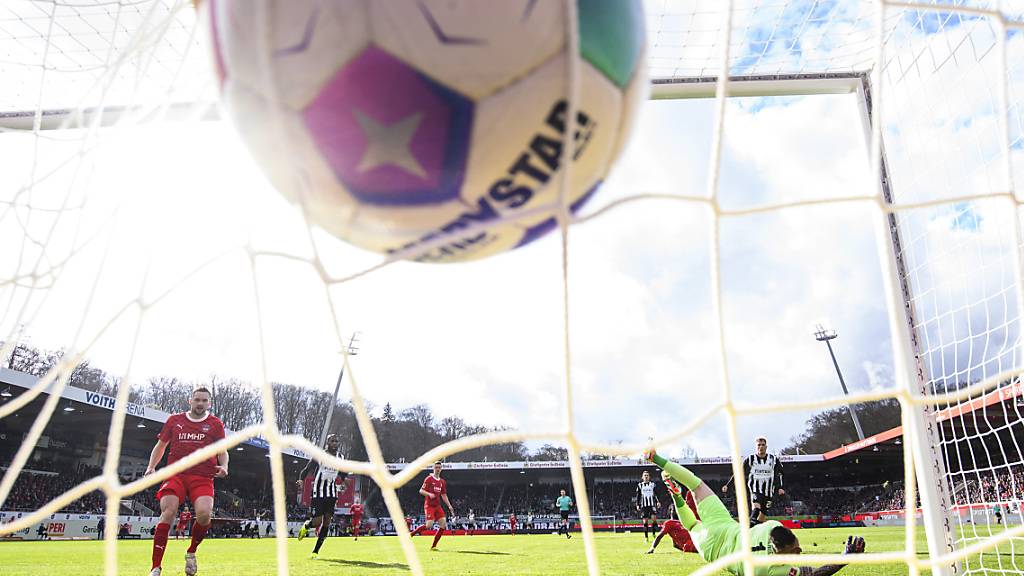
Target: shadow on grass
x=482, y=552
x=364, y=564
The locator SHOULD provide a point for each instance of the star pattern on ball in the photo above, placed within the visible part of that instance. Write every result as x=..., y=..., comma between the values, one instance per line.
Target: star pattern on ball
x=388, y=144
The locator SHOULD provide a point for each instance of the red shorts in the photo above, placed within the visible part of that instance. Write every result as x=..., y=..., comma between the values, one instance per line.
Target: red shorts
x=433, y=513
x=356, y=518
x=184, y=485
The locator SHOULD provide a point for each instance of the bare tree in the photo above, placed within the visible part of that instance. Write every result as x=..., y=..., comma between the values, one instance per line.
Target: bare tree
x=289, y=405
x=420, y=414
x=314, y=414
x=551, y=453
x=236, y=403
x=30, y=360
x=86, y=377
x=168, y=394
x=451, y=428
x=832, y=427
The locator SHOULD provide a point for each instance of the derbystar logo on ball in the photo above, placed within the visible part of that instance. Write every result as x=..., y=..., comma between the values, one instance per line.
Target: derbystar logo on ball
x=431, y=130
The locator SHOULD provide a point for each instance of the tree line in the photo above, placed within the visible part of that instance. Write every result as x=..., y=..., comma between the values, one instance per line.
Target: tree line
x=403, y=435
x=833, y=428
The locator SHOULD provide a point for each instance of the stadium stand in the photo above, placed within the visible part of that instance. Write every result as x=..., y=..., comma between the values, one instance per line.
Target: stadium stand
x=847, y=483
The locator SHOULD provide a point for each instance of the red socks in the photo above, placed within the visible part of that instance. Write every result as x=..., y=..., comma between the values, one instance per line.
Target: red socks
x=198, y=533
x=437, y=536
x=159, y=543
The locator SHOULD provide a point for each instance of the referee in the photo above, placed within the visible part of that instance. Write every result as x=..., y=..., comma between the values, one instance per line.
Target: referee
x=646, y=502
x=764, y=480
x=324, y=495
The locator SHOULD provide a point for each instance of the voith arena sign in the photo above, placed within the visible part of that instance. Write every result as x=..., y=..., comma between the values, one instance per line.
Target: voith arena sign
x=109, y=402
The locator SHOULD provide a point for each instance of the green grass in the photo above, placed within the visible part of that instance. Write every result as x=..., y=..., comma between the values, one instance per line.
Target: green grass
x=546, y=554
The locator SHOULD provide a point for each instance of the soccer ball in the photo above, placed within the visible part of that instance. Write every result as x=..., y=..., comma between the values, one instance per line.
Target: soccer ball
x=406, y=125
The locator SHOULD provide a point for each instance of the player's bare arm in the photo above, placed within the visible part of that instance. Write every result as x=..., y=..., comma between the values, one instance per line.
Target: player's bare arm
x=426, y=494
x=654, y=544
x=156, y=455
x=222, y=465
x=448, y=503
x=306, y=472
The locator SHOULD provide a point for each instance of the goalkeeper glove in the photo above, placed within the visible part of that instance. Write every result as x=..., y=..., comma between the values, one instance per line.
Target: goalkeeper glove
x=854, y=545
x=670, y=484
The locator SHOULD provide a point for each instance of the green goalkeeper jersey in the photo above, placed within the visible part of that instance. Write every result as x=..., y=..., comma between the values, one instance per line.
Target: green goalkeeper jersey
x=717, y=535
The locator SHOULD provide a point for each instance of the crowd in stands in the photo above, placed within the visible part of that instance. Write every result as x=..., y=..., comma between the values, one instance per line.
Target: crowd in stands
x=1001, y=485
x=840, y=501
x=42, y=481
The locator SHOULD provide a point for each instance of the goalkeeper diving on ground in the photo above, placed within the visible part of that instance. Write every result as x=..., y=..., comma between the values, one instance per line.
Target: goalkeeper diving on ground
x=717, y=534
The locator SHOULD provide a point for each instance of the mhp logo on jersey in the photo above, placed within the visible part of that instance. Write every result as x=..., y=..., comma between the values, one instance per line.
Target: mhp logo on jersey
x=192, y=436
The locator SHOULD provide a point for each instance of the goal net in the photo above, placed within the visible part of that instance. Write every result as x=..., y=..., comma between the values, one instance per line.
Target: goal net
x=126, y=242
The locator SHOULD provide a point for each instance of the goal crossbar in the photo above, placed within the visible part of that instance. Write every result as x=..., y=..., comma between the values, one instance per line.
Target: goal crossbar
x=661, y=89
x=758, y=85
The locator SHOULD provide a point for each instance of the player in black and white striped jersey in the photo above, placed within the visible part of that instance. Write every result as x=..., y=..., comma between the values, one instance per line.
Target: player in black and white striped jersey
x=647, y=502
x=764, y=480
x=324, y=494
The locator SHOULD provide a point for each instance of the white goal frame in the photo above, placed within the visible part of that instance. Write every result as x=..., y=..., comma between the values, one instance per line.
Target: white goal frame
x=919, y=419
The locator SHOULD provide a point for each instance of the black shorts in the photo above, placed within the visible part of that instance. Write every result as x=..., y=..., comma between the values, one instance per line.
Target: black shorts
x=322, y=506
x=564, y=514
x=764, y=500
x=647, y=511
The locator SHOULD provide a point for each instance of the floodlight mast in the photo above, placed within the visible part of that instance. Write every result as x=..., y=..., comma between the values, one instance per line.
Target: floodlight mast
x=353, y=349
x=826, y=336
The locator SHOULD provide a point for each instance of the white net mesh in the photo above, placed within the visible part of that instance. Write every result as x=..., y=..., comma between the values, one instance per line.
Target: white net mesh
x=947, y=85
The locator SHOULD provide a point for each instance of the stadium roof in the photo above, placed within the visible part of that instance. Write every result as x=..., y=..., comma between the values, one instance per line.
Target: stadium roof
x=994, y=411
x=970, y=419
x=106, y=403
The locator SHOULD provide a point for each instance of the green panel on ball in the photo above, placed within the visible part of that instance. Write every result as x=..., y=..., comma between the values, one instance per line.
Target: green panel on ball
x=612, y=36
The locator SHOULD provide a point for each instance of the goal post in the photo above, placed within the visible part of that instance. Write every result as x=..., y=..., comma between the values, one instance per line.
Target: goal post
x=925, y=447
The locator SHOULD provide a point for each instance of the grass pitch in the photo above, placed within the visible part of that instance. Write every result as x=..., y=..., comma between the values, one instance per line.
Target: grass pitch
x=545, y=555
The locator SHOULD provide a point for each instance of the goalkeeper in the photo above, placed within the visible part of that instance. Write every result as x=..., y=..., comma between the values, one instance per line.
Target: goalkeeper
x=716, y=534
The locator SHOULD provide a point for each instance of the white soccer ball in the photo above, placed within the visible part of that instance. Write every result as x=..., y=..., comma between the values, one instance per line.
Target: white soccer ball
x=399, y=123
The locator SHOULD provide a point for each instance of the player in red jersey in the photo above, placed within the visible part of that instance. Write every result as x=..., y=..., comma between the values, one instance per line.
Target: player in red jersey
x=183, y=522
x=434, y=491
x=512, y=523
x=357, y=517
x=185, y=433
x=674, y=528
